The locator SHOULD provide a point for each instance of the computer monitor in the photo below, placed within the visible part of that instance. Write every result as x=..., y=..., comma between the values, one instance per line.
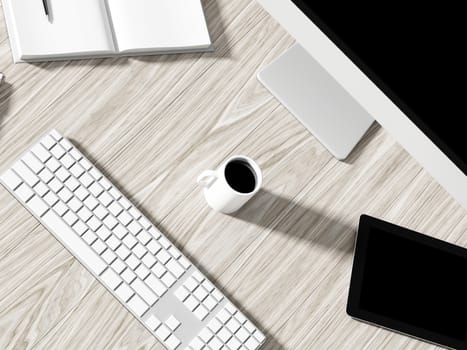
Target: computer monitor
x=405, y=67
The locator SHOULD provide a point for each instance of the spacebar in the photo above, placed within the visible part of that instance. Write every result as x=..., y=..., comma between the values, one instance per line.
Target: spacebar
x=74, y=243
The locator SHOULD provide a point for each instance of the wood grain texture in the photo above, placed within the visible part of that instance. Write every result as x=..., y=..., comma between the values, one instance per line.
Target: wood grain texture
x=152, y=124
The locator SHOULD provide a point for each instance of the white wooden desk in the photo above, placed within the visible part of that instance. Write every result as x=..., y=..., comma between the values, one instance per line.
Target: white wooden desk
x=152, y=124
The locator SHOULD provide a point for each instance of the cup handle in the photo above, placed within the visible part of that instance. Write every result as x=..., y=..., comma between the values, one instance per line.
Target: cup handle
x=207, y=178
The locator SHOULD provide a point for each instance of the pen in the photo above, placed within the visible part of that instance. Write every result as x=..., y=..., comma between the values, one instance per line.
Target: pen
x=46, y=7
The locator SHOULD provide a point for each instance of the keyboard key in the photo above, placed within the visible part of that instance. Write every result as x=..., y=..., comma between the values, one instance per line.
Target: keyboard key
x=128, y=276
x=95, y=173
x=86, y=180
x=10, y=179
x=224, y=335
x=201, y=312
x=144, y=292
x=134, y=227
x=123, y=252
x=115, y=208
x=79, y=227
x=77, y=170
x=130, y=242
x=72, y=184
x=206, y=335
x=152, y=322
x=74, y=243
x=109, y=256
x=60, y=208
x=156, y=285
x=50, y=198
x=135, y=213
x=215, y=344
x=33, y=163
x=99, y=246
x=89, y=237
x=96, y=189
x=163, y=332
x=105, y=199
x=75, y=204
x=242, y=334
x=259, y=336
x=67, y=161
x=37, y=206
x=91, y=202
x=142, y=271
x=105, y=183
x=191, y=284
x=233, y=325
x=25, y=173
x=149, y=260
x=86, y=164
x=48, y=142
x=124, y=292
x=57, y=151
x=233, y=343
x=153, y=246
x=164, y=242
x=125, y=218
x=144, y=237
x=113, y=242
x=62, y=174
x=163, y=256
x=118, y=265
x=210, y=302
x=215, y=326
x=200, y=293
x=65, y=194
x=181, y=293
x=52, y=164
x=251, y=343
x=75, y=154
x=191, y=303
x=172, y=323
x=158, y=269
x=184, y=262
x=137, y=305
x=66, y=144
x=168, y=280
x=144, y=222
x=139, y=249
x=55, y=185
x=196, y=344
x=133, y=262
x=81, y=193
x=94, y=223
x=55, y=135
x=172, y=342
x=174, y=252
x=119, y=231
x=100, y=212
x=41, y=153
x=103, y=232
x=110, y=222
x=174, y=267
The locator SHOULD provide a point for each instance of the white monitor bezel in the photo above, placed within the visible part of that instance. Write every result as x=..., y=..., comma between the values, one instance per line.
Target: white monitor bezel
x=380, y=107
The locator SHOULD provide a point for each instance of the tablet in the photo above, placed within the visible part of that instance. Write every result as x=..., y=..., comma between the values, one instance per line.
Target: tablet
x=410, y=283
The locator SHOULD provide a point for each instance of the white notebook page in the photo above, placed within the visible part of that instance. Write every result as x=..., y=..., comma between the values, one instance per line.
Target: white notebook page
x=142, y=25
x=77, y=27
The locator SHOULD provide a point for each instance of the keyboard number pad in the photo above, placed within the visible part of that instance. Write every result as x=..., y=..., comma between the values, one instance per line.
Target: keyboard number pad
x=229, y=328
x=199, y=295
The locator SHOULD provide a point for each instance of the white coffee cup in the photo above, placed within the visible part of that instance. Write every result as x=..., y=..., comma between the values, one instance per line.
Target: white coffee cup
x=233, y=184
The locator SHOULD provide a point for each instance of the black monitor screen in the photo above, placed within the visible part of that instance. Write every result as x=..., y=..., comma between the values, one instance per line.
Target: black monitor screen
x=414, y=52
x=410, y=282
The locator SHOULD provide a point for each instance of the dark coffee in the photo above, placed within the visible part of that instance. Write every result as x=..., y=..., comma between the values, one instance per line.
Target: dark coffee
x=240, y=176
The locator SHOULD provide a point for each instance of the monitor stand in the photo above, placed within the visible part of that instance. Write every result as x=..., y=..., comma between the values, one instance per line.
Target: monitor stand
x=317, y=100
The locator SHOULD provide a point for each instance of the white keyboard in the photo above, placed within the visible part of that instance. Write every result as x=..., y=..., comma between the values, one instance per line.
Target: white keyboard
x=124, y=251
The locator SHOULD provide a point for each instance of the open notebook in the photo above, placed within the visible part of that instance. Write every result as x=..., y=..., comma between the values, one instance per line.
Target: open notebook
x=94, y=28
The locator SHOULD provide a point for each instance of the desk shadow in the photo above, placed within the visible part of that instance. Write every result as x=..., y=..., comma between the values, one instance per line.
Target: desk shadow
x=89, y=62
x=301, y=222
x=271, y=343
x=6, y=90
